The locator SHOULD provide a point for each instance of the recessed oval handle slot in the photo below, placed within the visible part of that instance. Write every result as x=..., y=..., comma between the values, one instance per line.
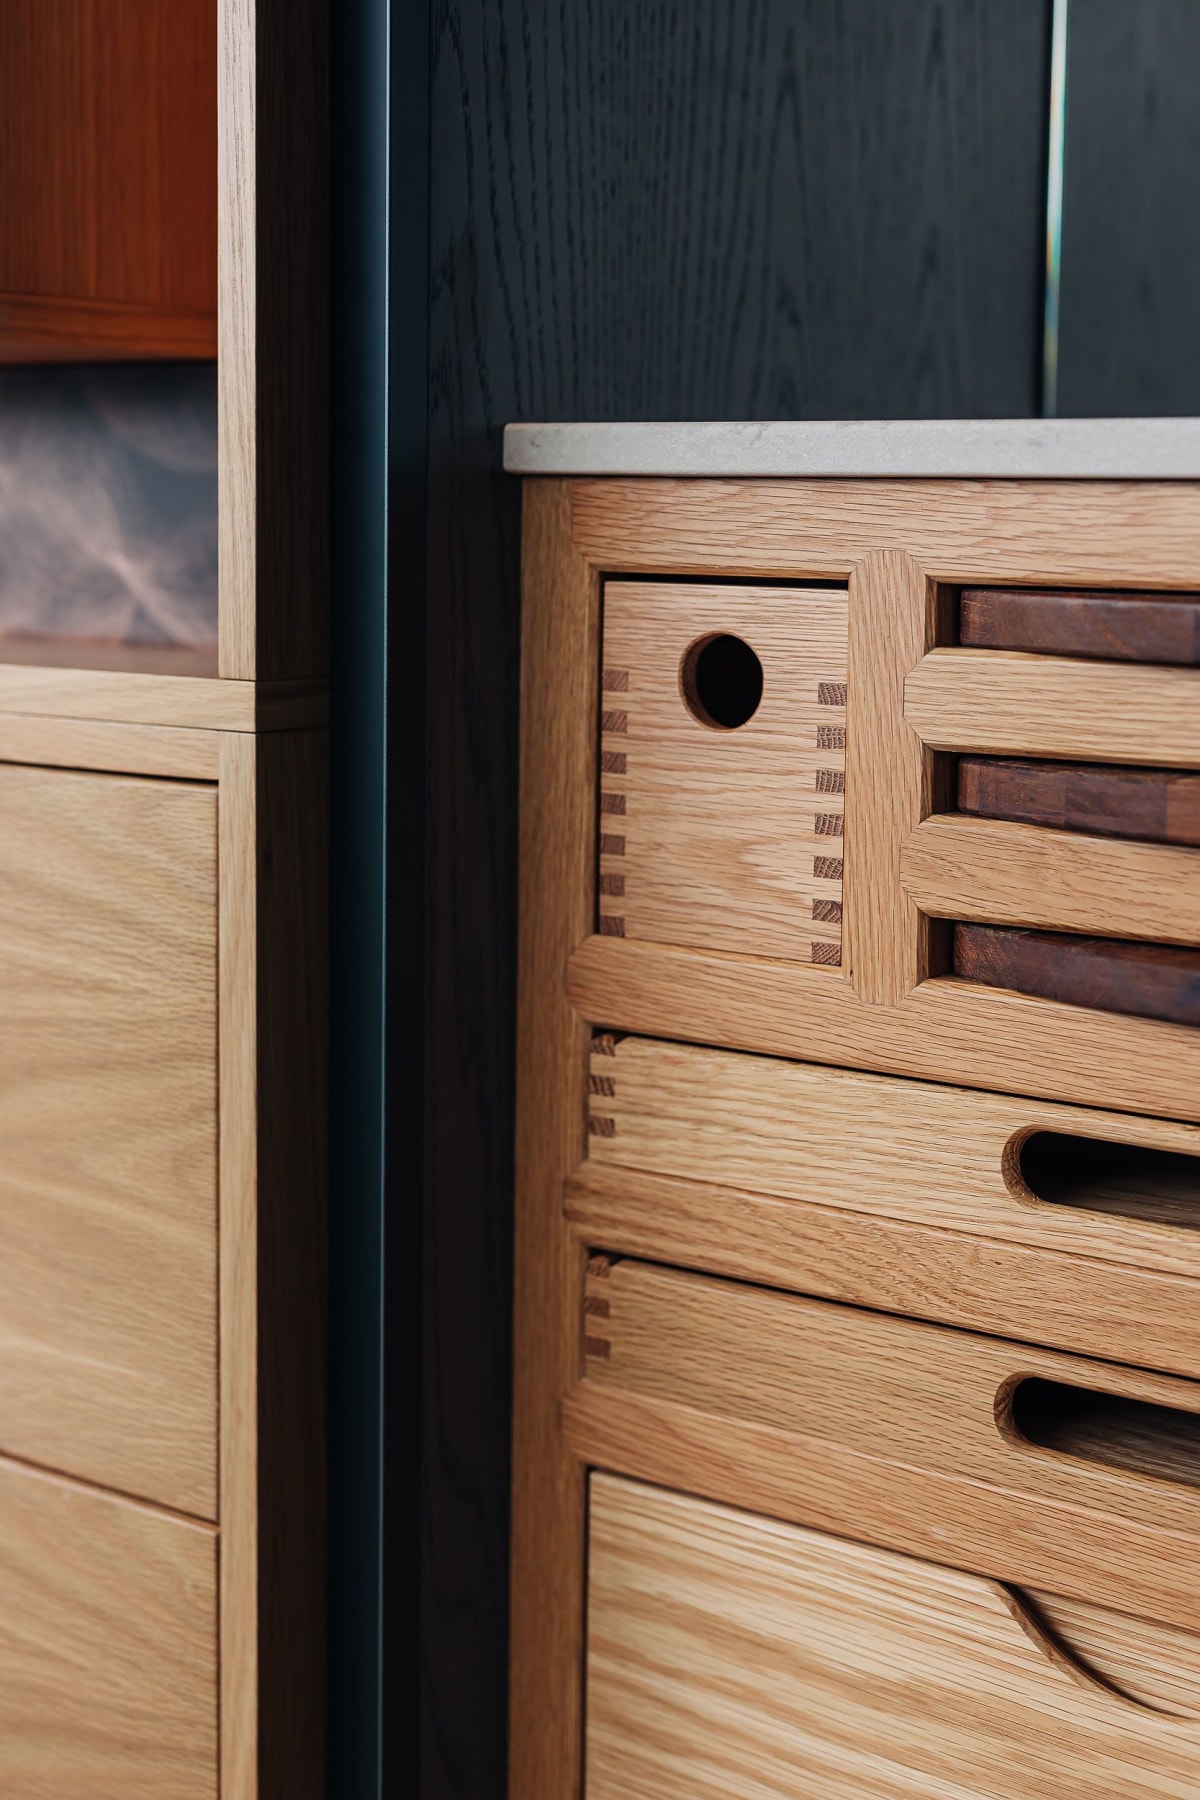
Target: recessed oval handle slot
x=1137, y=1435
x=1131, y=1181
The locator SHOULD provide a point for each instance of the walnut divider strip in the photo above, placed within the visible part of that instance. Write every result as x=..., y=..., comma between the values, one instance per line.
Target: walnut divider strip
x=1151, y=981
x=1129, y=627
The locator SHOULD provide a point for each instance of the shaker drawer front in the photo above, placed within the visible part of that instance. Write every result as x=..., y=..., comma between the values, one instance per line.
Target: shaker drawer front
x=1058, y=1473
x=108, y=1130
x=722, y=770
x=108, y=1623
x=730, y=1655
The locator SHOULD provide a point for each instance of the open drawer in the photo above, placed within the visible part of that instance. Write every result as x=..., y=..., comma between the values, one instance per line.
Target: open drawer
x=1075, y=1477
x=731, y=1656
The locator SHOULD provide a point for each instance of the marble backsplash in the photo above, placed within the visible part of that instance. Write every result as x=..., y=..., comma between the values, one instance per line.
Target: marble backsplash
x=108, y=503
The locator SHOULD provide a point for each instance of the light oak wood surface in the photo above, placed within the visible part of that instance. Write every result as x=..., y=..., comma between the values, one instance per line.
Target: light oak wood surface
x=108, y=1646
x=936, y=1156
x=732, y=1656
x=891, y=1430
x=179, y=701
x=1003, y=873
x=1011, y=703
x=892, y=781
x=273, y=338
x=727, y=839
x=1021, y=533
x=1156, y=1664
x=559, y=732
x=108, y=1039
x=947, y=1029
x=190, y=755
x=1072, y=1302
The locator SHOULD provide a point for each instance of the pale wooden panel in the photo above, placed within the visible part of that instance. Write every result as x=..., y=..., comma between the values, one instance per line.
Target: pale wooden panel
x=882, y=1427
x=936, y=1156
x=945, y=1030
x=1158, y=1665
x=120, y=749
x=958, y=867
x=1022, y=705
x=108, y=1241
x=1139, y=534
x=559, y=733
x=108, y=1646
x=1109, y=1309
x=727, y=839
x=273, y=337
x=730, y=1656
x=182, y=701
x=893, y=621
x=239, y=1269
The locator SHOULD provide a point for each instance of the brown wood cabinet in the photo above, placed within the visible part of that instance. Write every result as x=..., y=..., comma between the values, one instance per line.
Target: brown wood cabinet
x=857, y=1426
x=108, y=172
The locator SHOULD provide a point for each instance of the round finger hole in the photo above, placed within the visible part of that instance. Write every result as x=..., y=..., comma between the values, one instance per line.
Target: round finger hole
x=722, y=681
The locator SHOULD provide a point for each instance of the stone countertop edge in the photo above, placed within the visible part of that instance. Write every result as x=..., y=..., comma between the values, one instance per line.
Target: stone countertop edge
x=940, y=449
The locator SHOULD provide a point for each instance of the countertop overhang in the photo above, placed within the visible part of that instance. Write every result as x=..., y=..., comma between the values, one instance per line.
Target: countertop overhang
x=978, y=449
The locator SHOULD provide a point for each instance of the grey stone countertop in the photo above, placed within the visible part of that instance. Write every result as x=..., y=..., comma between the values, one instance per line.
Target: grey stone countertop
x=1047, y=449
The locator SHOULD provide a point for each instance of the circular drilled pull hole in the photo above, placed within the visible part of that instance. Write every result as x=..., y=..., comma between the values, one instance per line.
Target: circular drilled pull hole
x=722, y=681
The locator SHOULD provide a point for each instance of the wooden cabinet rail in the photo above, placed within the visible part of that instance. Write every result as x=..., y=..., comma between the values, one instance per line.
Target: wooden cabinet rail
x=1002, y=873
x=1011, y=703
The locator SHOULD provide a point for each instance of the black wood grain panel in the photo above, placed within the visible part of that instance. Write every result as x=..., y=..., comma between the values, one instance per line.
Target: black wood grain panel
x=1130, y=308
x=642, y=209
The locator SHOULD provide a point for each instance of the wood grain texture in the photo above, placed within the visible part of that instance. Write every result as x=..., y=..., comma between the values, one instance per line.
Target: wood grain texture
x=108, y=1240
x=952, y=1277
x=727, y=839
x=1014, y=704
x=983, y=1037
x=1005, y=873
x=181, y=753
x=892, y=1431
x=183, y=702
x=649, y=213
x=891, y=778
x=1153, y=628
x=41, y=329
x=729, y=1655
x=1086, y=533
x=108, y=165
x=936, y=1156
x=1153, y=805
x=1158, y=1665
x=1149, y=981
x=108, y=1629
x=274, y=1176
x=561, y=650
x=273, y=364
x=1129, y=337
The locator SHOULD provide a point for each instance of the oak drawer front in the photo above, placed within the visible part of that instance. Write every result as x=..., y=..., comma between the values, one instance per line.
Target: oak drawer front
x=716, y=829
x=108, y=1130
x=108, y=1622
x=1073, y=1476
x=730, y=1655
x=933, y=1154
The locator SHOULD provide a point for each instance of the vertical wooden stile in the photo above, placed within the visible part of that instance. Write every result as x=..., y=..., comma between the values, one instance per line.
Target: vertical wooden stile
x=893, y=620
x=559, y=739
